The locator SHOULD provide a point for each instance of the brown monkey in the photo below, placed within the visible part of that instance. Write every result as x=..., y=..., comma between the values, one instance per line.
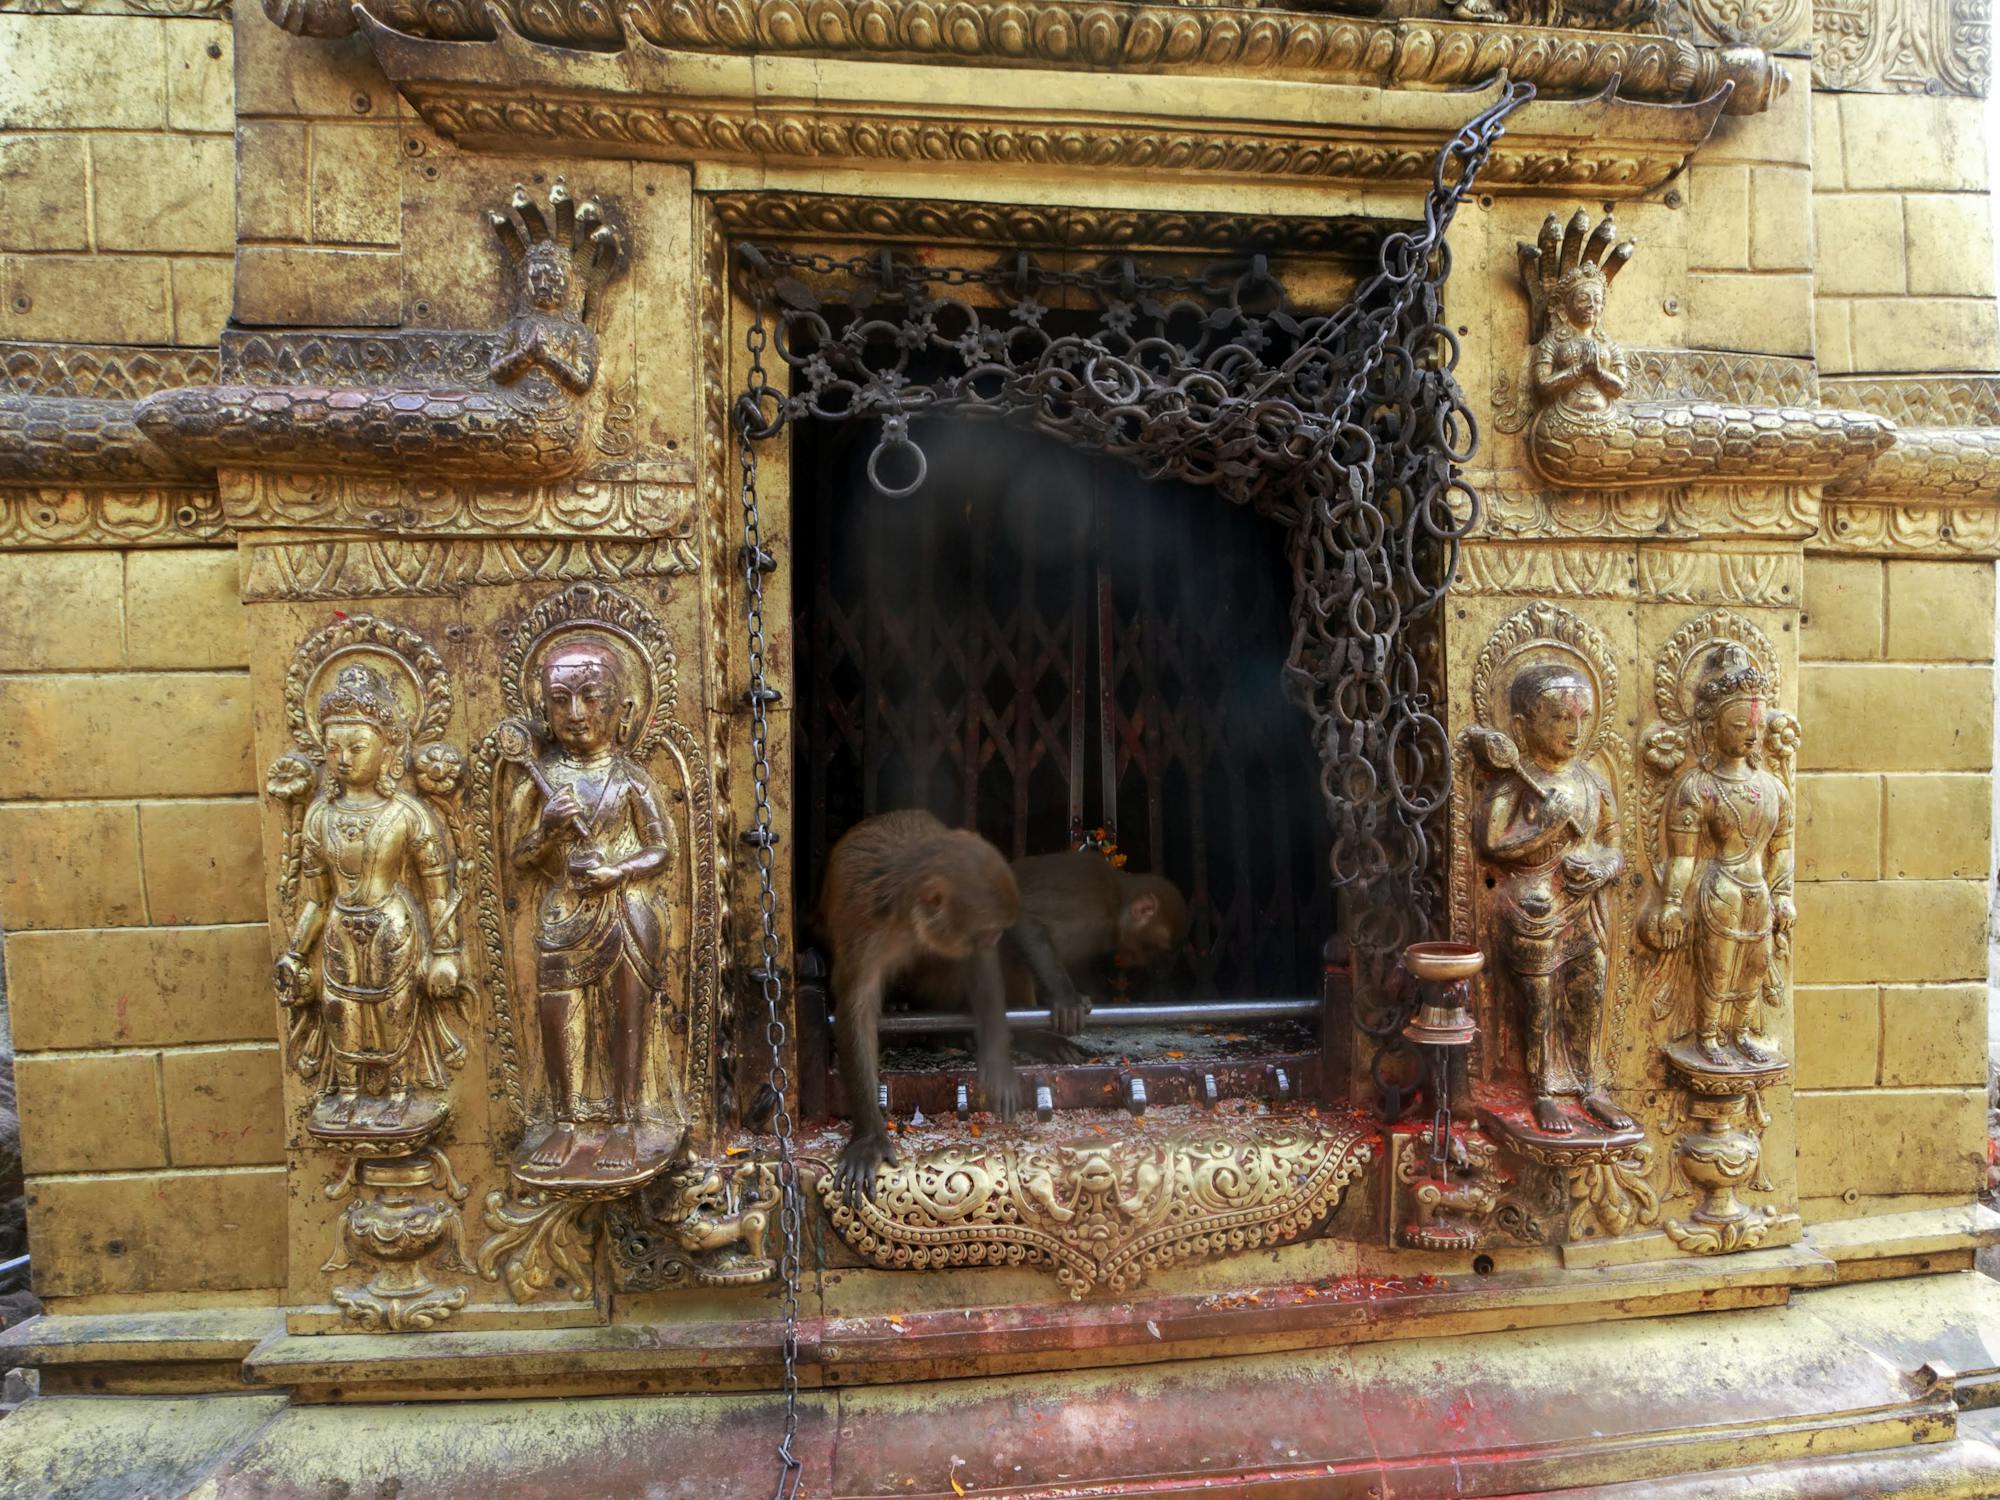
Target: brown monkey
x=907, y=898
x=1077, y=910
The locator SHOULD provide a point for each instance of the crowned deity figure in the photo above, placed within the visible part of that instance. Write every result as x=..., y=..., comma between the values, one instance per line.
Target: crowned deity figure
x=595, y=836
x=377, y=934
x=1727, y=897
x=1550, y=821
x=1577, y=371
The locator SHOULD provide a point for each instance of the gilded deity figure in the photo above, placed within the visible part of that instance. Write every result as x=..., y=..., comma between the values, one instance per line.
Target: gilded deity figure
x=1550, y=821
x=1727, y=897
x=598, y=841
x=377, y=935
x=1577, y=371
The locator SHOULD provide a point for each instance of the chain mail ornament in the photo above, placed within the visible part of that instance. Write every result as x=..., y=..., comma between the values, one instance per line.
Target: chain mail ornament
x=1345, y=427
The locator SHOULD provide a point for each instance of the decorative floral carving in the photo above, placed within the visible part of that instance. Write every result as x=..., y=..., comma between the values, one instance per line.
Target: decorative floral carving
x=1903, y=46
x=409, y=568
x=541, y=1244
x=1105, y=1214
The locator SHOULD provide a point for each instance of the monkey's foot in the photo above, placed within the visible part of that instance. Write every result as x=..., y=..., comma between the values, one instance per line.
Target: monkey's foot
x=1549, y=1115
x=1066, y=1016
x=618, y=1152
x=1599, y=1105
x=557, y=1147
x=854, y=1173
x=1046, y=1046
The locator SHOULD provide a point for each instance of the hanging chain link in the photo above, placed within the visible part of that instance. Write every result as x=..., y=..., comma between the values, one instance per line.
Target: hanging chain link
x=1353, y=438
x=769, y=973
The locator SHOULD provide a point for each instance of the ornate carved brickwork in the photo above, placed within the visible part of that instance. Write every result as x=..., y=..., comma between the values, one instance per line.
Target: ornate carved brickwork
x=1672, y=575
x=1105, y=1214
x=754, y=132
x=110, y=516
x=1909, y=529
x=1903, y=46
x=1665, y=511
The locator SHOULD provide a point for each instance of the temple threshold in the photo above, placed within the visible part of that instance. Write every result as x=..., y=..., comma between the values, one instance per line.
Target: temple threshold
x=1869, y=1389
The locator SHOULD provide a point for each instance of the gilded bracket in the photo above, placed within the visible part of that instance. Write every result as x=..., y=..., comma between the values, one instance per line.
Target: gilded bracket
x=1584, y=429
x=510, y=406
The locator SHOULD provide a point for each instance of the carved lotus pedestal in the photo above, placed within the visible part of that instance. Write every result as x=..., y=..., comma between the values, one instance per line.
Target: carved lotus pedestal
x=1722, y=1153
x=402, y=1219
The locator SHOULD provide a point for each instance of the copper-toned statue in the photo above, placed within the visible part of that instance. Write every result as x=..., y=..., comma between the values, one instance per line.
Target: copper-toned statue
x=1550, y=821
x=376, y=939
x=597, y=841
x=1727, y=887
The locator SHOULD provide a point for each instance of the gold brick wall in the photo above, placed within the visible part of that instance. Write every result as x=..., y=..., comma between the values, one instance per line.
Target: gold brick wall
x=321, y=156
x=1895, y=838
x=1902, y=235
x=117, y=173
x=136, y=951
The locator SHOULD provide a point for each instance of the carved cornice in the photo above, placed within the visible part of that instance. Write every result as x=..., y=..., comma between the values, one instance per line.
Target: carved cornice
x=1908, y=529
x=1645, y=571
x=1921, y=400
x=1902, y=46
x=1098, y=36
x=1514, y=510
x=1107, y=1213
x=111, y=516
x=405, y=568
x=938, y=221
x=747, y=130
x=101, y=372
x=263, y=499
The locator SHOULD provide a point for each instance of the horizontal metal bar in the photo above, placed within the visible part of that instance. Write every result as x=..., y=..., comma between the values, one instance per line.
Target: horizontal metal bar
x=918, y=1023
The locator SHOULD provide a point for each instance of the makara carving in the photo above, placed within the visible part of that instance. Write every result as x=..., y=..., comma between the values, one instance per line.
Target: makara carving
x=515, y=411
x=580, y=859
x=704, y=1224
x=1106, y=1213
x=373, y=964
x=1584, y=430
x=1721, y=801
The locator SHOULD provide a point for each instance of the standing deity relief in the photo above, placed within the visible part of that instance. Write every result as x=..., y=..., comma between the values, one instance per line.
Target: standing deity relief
x=583, y=788
x=372, y=971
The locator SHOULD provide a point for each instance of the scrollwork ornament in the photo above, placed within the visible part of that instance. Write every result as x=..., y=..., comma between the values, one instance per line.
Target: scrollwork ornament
x=1104, y=1215
x=540, y=1245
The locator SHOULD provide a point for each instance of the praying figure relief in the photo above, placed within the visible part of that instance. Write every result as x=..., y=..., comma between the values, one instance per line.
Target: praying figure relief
x=371, y=971
x=588, y=838
x=1544, y=825
x=1725, y=912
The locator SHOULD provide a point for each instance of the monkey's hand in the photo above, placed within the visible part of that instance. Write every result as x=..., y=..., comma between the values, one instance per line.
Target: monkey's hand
x=854, y=1173
x=1067, y=1013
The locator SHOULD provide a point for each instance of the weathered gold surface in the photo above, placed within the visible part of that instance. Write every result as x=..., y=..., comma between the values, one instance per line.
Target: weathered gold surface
x=1816, y=262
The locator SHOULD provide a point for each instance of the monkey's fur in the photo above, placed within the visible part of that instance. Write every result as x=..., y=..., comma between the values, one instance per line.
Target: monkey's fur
x=906, y=898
